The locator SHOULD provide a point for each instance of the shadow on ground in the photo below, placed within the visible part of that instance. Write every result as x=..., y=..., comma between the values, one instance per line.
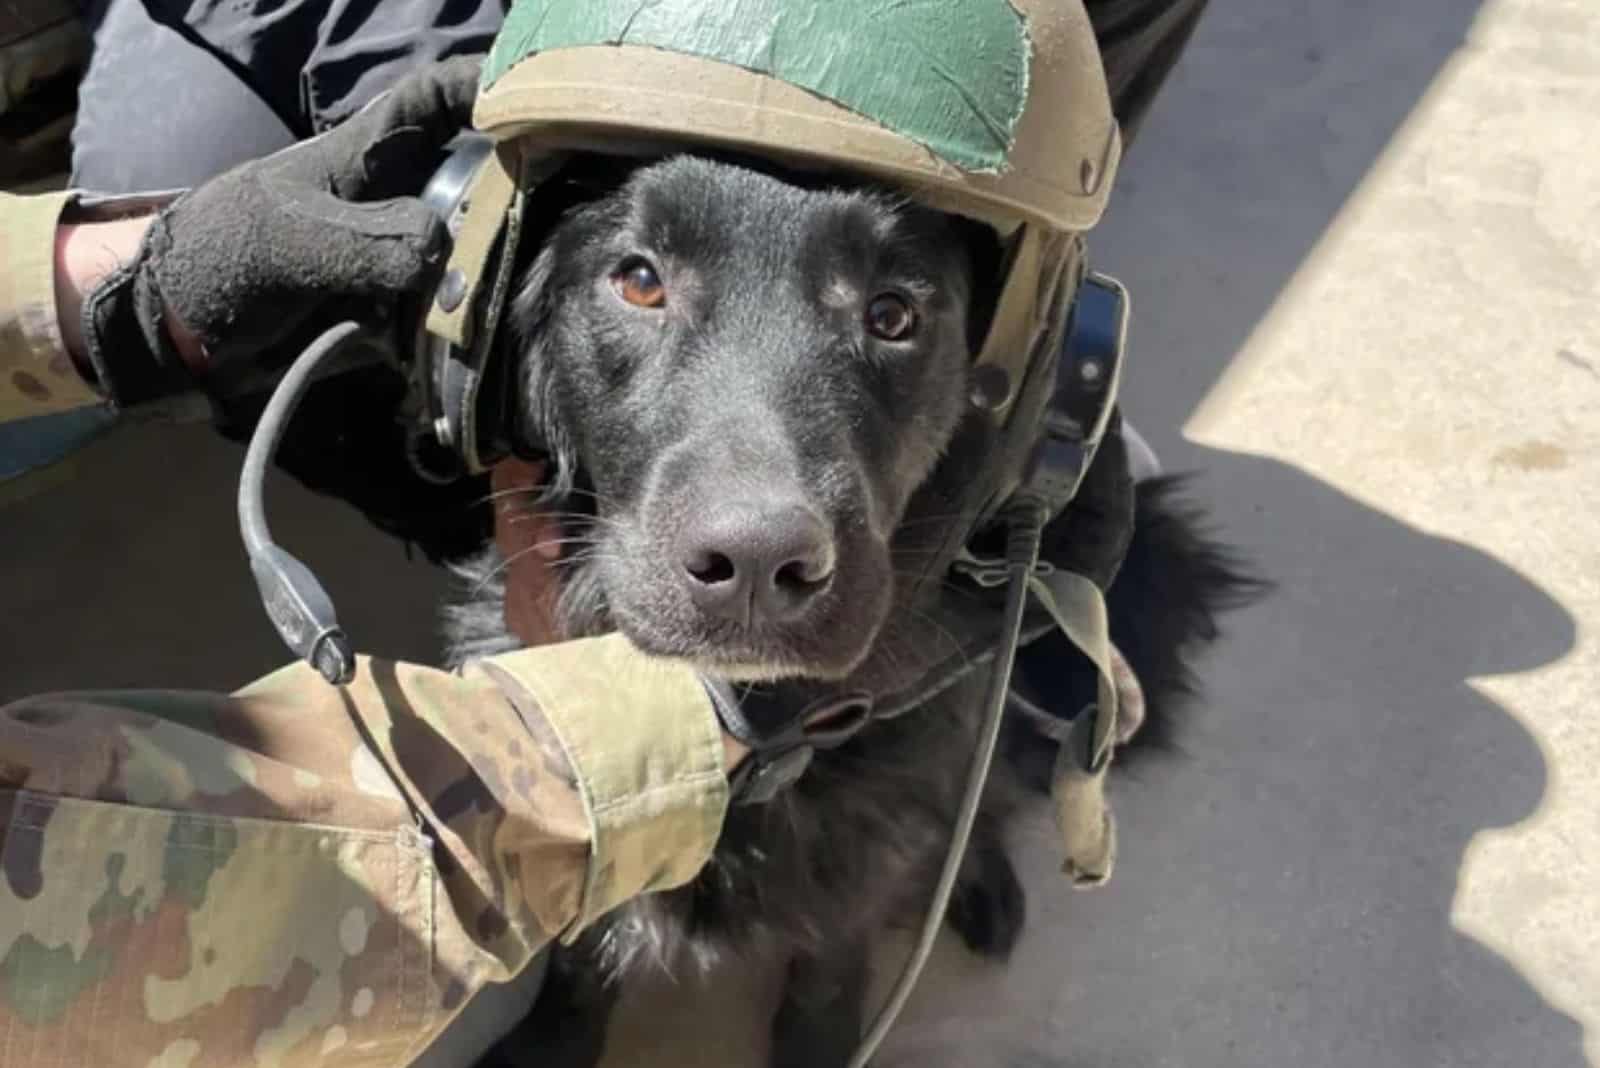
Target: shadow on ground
x=1285, y=888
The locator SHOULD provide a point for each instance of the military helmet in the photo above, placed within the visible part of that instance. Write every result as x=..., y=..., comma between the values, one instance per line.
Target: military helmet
x=992, y=108
x=996, y=110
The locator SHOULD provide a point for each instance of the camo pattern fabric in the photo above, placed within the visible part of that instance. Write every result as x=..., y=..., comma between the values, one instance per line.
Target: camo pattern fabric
x=301, y=875
x=36, y=376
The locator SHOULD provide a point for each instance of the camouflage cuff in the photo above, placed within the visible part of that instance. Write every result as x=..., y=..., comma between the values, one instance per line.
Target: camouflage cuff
x=36, y=377
x=646, y=751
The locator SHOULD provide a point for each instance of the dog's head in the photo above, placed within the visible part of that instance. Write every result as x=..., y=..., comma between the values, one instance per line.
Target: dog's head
x=742, y=379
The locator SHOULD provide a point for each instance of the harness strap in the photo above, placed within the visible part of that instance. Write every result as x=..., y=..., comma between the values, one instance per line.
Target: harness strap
x=1077, y=785
x=1079, y=609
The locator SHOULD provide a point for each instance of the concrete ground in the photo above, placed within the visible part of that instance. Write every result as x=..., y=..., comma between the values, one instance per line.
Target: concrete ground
x=1364, y=244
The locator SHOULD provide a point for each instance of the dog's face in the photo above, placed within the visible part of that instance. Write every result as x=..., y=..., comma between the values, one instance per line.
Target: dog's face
x=747, y=379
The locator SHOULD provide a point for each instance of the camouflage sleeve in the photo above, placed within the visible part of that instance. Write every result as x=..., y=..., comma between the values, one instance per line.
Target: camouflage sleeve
x=36, y=376
x=301, y=875
x=46, y=410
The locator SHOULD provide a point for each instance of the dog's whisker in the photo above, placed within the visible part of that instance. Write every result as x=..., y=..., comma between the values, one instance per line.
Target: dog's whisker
x=581, y=539
x=945, y=584
x=943, y=631
x=531, y=489
x=564, y=517
x=500, y=568
x=578, y=491
x=587, y=556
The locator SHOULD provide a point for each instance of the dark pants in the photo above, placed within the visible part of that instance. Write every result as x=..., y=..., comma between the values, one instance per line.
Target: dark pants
x=179, y=90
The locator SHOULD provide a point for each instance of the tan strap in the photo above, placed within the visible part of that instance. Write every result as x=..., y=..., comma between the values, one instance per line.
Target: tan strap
x=1011, y=331
x=488, y=199
x=1078, y=784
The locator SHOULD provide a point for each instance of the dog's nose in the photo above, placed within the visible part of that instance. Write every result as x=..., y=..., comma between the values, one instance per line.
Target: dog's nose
x=757, y=563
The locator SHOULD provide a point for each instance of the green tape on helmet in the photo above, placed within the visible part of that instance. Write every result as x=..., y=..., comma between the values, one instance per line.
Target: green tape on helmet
x=950, y=75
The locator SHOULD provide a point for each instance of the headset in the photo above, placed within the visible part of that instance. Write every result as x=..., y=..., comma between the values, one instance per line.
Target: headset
x=457, y=405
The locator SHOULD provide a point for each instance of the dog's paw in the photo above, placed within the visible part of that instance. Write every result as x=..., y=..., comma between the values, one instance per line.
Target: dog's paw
x=989, y=906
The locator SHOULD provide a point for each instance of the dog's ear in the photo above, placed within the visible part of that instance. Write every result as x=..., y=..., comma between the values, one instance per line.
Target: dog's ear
x=537, y=424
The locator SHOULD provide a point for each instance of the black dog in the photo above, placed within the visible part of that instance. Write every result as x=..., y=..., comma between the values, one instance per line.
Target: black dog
x=741, y=380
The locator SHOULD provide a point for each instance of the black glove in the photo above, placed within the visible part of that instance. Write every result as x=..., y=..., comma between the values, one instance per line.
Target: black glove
x=263, y=257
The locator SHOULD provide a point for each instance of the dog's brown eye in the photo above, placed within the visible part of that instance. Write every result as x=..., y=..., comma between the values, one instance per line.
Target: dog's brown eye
x=638, y=284
x=890, y=317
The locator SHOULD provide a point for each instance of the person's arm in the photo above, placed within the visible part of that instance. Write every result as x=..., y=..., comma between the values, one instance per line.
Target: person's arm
x=296, y=869
x=37, y=377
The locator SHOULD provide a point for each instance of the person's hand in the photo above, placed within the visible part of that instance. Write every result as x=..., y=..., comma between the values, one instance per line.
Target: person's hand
x=266, y=255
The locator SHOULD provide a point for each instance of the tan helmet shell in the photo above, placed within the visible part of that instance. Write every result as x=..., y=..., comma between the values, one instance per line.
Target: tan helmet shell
x=1059, y=172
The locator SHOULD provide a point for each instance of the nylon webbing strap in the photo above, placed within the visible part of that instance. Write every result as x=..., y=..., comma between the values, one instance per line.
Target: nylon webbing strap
x=488, y=200
x=503, y=268
x=1078, y=784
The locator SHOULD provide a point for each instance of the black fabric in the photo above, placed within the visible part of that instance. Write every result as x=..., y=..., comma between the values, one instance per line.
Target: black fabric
x=1092, y=538
x=1141, y=42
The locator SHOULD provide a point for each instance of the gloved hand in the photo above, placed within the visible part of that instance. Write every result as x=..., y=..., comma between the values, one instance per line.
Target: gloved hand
x=265, y=256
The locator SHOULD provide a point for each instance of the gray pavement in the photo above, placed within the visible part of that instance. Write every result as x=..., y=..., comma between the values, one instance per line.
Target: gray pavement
x=1364, y=244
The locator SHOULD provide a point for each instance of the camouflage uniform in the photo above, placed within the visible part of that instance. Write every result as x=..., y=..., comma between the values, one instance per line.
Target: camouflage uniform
x=36, y=377
x=302, y=875
x=46, y=409
x=265, y=879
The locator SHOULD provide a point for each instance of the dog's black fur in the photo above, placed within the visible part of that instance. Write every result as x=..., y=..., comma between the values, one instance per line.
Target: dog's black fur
x=756, y=376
